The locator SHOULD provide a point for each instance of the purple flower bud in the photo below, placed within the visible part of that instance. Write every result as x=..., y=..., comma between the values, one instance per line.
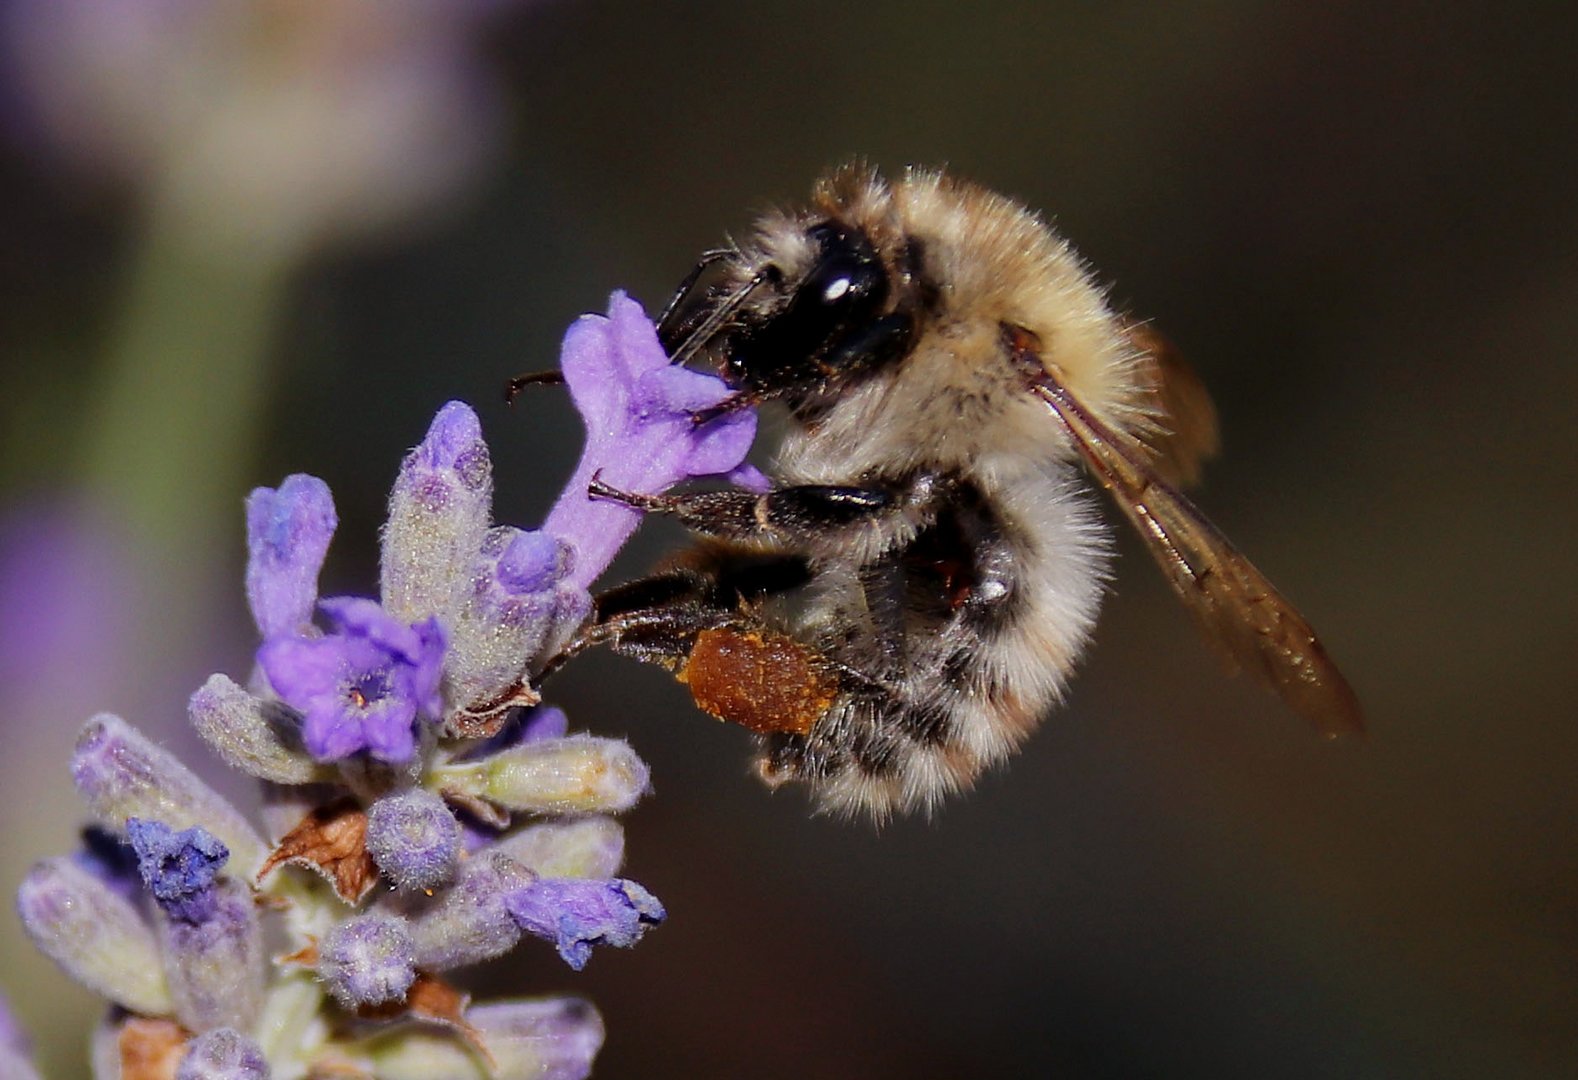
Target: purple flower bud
x=363, y=686
x=216, y=966
x=96, y=936
x=121, y=774
x=438, y=513
x=516, y=606
x=576, y=913
x=414, y=839
x=469, y=922
x=288, y=534
x=368, y=960
x=545, y=1039
x=577, y=774
x=179, y=868
x=222, y=1054
x=588, y=847
x=640, y=437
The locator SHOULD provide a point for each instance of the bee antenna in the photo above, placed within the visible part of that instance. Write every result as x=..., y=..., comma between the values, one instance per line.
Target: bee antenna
x=721, y=314
x=708, y=260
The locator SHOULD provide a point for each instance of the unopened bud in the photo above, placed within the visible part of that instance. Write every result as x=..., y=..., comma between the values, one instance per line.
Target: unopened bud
x=120, y=774
x=577, y=774
x=469, y=921
x=94, y=934
x=414, y=838
x=588, y=847
x=216, y=965
x=368, y=960
x=223, y=1054
x=248, y=734
x=539, y=1039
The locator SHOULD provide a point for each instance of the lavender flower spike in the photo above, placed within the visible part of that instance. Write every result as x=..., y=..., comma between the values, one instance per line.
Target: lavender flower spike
x=639, y=434
x=438, y=513
x=468, y=607
x=288, y=534
x=121, y=774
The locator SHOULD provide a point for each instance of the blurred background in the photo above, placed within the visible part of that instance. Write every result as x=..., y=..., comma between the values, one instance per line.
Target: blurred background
x=251, y=238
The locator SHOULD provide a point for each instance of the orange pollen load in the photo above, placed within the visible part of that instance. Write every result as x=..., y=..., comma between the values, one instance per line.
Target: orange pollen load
x=761, y=680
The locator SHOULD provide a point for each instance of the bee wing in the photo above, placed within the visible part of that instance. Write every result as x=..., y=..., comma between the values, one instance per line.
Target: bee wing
x=1240, y=611
x=1185, y=436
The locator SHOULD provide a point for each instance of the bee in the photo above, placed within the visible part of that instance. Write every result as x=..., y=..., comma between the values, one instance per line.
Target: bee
x=911, y=596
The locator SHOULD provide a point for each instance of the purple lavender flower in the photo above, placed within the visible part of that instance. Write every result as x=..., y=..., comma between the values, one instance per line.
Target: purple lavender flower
x=640, y=437
x=364, y=685
x=577, y=913
x=178, y=868
x=288, y=534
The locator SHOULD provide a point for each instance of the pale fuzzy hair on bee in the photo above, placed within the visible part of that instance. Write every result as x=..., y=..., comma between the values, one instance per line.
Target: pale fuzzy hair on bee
x=993, y=261
x=955, y=405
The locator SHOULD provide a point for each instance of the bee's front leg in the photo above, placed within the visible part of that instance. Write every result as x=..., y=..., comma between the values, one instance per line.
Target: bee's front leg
x=788, y=516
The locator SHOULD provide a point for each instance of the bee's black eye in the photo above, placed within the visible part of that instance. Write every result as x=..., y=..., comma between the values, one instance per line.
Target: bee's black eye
x=843, y=282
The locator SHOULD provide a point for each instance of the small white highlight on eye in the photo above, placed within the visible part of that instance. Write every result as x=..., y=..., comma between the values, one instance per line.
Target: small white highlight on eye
x=836, y=290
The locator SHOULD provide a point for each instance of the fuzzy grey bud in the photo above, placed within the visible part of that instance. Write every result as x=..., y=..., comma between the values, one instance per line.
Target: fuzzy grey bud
x=588, y=847
x=216, y=966
x=414, y=839
x=539, y=1039
x=438, y=515
x=94, y=934
x=576, y=774
x=368, y=960
x=469, y=921
x=241, y=730
x=121, y=773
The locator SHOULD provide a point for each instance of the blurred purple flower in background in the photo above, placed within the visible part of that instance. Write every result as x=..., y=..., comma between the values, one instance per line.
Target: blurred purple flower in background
x=266, y=124
x=16, y=1050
